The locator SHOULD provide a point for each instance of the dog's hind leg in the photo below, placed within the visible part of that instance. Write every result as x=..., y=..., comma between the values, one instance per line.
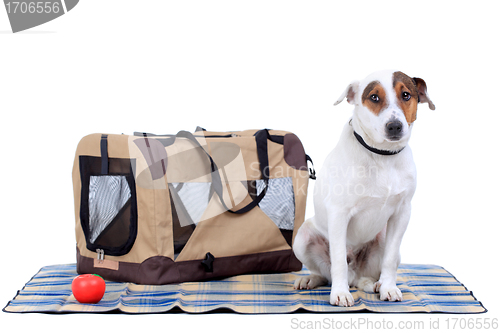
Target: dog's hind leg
x=368, y=261
x=367, y=284
x=312, y=249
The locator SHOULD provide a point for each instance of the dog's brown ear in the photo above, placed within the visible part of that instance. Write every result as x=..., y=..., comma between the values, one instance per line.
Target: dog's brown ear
x=423, y=96
x=349, y=93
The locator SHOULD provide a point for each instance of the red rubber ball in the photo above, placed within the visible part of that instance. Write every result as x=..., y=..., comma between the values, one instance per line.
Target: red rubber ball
x=88, y=288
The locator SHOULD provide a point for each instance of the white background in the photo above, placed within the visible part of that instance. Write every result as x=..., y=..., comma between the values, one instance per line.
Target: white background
x=119, y=66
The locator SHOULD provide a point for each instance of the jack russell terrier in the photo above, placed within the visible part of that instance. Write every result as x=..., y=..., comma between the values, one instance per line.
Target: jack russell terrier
x=362, y=198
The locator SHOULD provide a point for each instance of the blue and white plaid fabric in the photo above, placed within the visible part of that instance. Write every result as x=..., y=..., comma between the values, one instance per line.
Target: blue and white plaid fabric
x=426, y=288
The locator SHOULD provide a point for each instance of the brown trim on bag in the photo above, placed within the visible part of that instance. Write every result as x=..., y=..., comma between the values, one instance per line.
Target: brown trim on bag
x=295, y=155
x=162, y=270
x=268, y=262
x=288, y=235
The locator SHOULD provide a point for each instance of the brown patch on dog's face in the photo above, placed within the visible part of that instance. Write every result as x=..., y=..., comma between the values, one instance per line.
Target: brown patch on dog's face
x=407, y=95
x=374, y=97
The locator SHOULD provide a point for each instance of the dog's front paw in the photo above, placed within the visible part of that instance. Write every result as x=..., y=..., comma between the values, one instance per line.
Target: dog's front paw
x=341, y=298
x=388, y=292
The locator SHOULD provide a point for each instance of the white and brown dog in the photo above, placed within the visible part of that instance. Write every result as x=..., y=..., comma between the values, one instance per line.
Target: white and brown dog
x=362, y=198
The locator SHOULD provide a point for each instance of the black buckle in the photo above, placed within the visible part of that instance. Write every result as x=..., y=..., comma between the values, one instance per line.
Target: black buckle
x=208, y=262
x=312, y=172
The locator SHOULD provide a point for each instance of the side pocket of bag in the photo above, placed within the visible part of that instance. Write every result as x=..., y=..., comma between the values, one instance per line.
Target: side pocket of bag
x=108, y=211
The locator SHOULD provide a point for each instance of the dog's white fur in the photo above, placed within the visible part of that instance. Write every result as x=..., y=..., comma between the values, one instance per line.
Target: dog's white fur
x=362, y=203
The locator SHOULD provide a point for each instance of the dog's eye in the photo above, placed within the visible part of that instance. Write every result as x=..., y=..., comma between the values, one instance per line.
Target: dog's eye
x=406, y=96
x=375, y=98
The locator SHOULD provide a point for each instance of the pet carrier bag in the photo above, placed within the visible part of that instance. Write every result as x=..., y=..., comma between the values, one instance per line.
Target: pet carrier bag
x=158, y=209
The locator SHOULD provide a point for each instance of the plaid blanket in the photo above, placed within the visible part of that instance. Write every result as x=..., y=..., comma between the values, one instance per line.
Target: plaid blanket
x=426, y=288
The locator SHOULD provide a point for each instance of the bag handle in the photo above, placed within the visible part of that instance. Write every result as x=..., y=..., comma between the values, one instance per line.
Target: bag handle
x=261, y=138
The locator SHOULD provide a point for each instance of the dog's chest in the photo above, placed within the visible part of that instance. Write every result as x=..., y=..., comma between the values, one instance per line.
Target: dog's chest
x=382, y=195
x=387, y=184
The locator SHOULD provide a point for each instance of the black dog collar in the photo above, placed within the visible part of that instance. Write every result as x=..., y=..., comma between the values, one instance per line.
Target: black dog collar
x=375, y=150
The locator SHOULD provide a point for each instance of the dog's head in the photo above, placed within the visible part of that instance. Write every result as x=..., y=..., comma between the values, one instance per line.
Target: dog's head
x=386, y=104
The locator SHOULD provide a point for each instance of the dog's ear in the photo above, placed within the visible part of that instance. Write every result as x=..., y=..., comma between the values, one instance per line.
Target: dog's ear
x=423, y=96
x=349, y=93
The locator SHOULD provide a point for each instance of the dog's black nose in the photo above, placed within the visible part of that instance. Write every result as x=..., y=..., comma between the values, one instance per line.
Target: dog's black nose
x=394, y=128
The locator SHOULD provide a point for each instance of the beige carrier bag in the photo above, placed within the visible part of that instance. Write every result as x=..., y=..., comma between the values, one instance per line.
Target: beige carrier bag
x=158, y=209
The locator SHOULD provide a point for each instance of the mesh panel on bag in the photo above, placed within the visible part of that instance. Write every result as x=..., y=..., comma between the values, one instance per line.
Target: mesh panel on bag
x=108, y=195
x=194, y=198
x=279, y=202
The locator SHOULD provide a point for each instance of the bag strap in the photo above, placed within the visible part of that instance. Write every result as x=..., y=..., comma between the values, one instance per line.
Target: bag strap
x=104, y=154
x=261, y=138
